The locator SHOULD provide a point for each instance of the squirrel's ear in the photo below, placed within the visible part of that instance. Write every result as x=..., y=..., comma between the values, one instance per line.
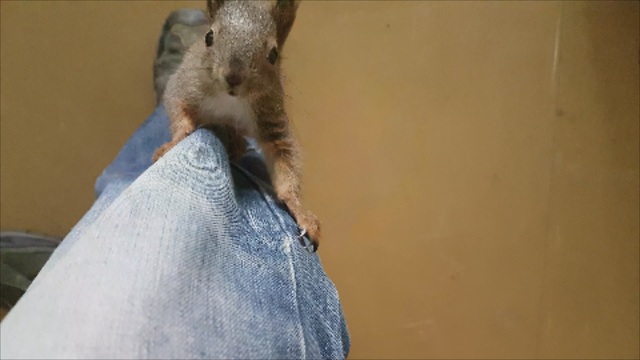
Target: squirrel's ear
x=212, y=8
x=284, y=13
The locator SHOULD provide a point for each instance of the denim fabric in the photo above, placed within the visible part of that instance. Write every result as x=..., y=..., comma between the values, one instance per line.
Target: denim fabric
x=188, y=258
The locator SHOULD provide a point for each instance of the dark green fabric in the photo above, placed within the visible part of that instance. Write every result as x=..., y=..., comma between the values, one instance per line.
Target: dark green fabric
x=22, y=256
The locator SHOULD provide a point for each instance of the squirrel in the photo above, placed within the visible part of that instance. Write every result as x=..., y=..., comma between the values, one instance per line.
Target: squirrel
x=230, y=81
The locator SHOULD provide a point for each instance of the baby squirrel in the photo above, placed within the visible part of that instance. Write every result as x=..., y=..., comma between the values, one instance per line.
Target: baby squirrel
x=230, y=81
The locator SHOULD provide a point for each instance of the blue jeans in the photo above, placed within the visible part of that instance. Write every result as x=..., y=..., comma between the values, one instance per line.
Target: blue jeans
x=190, y=257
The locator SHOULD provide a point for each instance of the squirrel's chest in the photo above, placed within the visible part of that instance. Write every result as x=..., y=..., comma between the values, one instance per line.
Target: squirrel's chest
x=228, y=110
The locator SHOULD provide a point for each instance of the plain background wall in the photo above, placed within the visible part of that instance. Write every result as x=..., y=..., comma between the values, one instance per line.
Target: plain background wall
x=475, y=164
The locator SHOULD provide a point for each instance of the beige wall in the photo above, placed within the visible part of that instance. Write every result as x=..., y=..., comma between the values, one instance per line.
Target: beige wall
x=475, y=164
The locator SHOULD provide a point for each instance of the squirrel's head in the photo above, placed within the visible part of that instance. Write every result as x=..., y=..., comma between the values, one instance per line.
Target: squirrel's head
x=244, y=42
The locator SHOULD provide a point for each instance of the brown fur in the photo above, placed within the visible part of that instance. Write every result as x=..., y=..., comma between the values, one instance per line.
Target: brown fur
x=244, y=35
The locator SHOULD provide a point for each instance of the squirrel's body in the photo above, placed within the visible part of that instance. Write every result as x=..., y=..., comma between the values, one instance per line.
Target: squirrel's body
x=230, y=80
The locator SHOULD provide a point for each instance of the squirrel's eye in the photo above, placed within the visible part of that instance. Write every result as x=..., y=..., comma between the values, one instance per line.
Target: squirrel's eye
x=208, y=39
x=273, y=56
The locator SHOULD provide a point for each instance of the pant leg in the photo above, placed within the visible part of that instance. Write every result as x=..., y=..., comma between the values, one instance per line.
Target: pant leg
x=189, y=260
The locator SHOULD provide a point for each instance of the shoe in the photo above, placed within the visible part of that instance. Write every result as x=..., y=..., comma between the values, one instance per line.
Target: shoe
x=181, y=29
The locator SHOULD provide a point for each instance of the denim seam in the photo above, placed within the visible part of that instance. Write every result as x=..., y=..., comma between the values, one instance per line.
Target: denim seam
x=290, y=239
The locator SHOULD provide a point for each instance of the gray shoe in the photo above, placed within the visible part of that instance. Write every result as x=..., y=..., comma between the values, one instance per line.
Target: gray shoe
x=181, y=29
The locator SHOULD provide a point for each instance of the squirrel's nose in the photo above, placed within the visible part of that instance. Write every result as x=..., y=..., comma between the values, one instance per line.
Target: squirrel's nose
x=234, y=79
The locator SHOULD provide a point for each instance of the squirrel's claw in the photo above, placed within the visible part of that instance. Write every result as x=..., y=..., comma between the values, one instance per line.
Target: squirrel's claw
x=310, y=245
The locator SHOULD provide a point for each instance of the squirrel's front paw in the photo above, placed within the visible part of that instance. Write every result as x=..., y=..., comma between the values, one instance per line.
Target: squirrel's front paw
x=161, y=151
x=310, y=226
